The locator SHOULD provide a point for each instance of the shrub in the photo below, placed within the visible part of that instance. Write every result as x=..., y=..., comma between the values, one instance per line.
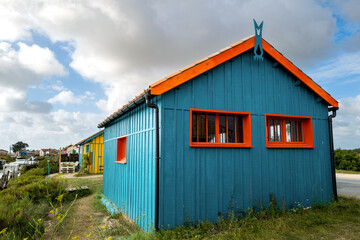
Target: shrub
x=347, y=160
x=26, y=198
x=85, y=163
x=54, y=167
x=8, y=159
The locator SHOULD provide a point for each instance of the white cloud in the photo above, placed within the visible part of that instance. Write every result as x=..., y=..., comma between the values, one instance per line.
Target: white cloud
x=20, y=69
x=337, y=69
x=126, y=45
x=65, y=97
x=58, y=86
x=15, y=100
x=42, y=61
x=27, y=66
x=56, y=129
x=89, y=95
x=14, y=24
x=347, y=122
x=352, y=9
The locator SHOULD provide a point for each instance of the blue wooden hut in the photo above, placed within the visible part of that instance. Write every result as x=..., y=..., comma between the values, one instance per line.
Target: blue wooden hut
x=228, y=131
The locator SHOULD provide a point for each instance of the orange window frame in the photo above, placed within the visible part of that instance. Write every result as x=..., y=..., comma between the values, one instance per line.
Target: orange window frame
x=307, y=131
x=121, y=150
x=246, y=129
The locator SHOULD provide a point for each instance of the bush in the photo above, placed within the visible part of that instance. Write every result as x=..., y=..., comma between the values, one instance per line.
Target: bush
x=8, y=159
x=27, y=198
x=85, y=163
x=26, y=168
x=54, y=167
x=347, y=160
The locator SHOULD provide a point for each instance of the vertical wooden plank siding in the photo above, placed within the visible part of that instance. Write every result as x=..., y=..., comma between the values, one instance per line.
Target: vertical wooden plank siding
x=131, y=186
x=96, y=154
x=202, y=183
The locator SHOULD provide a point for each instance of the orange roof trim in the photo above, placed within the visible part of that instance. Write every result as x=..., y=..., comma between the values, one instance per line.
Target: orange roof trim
x=187, y=73
x=199, y=67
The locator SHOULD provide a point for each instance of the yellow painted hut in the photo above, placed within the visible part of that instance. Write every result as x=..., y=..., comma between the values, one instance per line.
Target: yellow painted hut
x=94, y=146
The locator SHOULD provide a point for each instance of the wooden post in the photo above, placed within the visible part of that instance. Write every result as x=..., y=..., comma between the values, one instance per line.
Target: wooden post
x=60, y=162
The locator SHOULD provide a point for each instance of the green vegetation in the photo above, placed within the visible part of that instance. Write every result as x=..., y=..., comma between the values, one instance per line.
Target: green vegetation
x=8, y=159
x=54, y=167
x=88, y=217
x=85, y=163
x=347, y=171
x=357, y=150
x=27, y=198
x=347, y=159
x=339, y=220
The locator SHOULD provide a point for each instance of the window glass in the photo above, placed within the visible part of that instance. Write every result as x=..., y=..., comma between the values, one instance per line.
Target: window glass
x=222, y=128
x=277, y=130
x=239, y=129
x=202, y=127
x=294, y=131
x=194, y=127
x=288, y=131
x=271, y=134
x=231, y=129
x=211, y=128
x=300, y=133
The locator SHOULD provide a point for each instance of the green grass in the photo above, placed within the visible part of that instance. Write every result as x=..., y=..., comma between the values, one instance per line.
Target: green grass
x=348, y=171
x=97, y=204
x=86, y=174
x=92, y=183
x=339, y=220
x=78, y=221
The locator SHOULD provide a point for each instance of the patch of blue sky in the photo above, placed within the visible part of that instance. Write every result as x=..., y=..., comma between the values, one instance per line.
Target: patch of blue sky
x=345, y=28
x=71, y=81
x=343, y=87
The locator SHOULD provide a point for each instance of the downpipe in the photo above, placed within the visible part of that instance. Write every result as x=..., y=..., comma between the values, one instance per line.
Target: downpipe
x=157, y=158
x=332, y=153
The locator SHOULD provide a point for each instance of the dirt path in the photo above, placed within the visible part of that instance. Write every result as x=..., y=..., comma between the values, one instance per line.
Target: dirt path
x=81, y=220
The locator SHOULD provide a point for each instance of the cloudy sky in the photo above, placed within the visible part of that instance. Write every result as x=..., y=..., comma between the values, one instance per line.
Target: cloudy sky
x=65, y=65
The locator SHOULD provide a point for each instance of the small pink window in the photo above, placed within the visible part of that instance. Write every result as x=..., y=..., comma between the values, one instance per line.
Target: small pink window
x=121, y=150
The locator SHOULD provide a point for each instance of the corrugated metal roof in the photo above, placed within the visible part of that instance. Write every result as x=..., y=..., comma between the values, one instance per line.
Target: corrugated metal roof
x=90, y=138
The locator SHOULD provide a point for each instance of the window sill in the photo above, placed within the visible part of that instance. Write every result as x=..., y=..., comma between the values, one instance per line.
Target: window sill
x=288, y=145
x=222, y=145
x=122, y=161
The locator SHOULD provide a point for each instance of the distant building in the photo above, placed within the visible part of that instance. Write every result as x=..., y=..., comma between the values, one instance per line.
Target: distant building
x=21, y=153
x=3, y=152
x=48, y=152
x=94, y=146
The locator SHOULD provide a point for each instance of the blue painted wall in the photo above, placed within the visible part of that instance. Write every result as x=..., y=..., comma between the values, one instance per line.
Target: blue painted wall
x=199, y=183
x=131, y=186
x=80, y=154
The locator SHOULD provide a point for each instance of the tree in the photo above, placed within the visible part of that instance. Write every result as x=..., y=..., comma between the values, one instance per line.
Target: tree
x=18, y=146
